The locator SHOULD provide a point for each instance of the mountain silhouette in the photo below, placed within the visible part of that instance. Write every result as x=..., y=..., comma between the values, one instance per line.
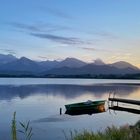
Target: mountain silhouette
x=69, y=66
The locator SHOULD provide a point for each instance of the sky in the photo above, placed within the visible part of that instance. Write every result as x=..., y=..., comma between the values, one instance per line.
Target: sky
x=83, y=29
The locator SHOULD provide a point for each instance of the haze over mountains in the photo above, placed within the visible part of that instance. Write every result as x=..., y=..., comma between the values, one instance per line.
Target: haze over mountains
x=9, y=64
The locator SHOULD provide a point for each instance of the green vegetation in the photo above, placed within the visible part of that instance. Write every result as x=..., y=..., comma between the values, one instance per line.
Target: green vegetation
x=14, y=130
x=111, y=133
x=26, y=130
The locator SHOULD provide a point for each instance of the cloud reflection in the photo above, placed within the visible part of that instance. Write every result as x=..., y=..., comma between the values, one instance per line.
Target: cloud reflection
x=66, y=91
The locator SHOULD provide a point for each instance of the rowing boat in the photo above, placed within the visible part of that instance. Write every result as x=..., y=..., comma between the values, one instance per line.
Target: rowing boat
x=88, y=105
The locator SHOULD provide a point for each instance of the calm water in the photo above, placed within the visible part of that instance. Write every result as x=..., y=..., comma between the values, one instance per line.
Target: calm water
x=39, y=100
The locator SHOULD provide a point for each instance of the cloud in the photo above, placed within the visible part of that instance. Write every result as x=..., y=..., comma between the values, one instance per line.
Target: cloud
x=95, y=49
x=105, y=34
x=9, y=51
x=56, y=12
x=43, y=57
x=42, y=30
x=88, y=48
x=46, y=31
x=41, y=27
x=121, y=56
x=49, y=27
x=61, y=39
x=25, y=26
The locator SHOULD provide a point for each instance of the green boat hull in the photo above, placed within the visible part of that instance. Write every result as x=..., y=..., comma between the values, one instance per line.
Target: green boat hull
x=89, y=111
x=92, y=105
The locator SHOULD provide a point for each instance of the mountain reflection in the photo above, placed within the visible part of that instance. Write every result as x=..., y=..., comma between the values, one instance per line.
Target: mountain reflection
x=67, y=91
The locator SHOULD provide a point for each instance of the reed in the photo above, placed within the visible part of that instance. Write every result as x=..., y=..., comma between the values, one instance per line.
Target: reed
x=111, y=133
x=26, y=130
x=13, y=127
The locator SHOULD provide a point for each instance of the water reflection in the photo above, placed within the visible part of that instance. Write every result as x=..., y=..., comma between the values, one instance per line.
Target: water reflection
x=42, y=103
x=95, y=110
x=125, y=109
x=56, y=118
x=66, y=91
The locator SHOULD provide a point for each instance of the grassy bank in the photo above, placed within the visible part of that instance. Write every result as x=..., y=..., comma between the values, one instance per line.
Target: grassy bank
x=111, y=133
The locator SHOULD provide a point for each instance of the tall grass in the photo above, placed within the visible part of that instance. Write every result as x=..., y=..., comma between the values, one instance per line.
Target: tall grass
x=13, y=127
x=26, y=129
x=111, y=133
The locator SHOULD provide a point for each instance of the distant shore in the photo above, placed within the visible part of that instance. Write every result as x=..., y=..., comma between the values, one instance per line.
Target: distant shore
x=84, y=76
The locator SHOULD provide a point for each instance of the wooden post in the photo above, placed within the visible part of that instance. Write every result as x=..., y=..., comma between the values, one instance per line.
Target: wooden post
x=60, y=111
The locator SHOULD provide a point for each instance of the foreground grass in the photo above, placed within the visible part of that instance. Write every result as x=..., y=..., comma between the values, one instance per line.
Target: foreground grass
x=111, y=133
x=13, y=127
x=25, y=129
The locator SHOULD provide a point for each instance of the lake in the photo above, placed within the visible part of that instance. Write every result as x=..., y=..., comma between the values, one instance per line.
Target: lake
x=39, y=100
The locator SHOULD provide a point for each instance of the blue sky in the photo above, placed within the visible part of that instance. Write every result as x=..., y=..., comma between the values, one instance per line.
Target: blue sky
x=84, y=29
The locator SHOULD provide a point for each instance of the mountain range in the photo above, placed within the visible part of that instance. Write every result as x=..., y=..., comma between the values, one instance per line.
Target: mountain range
x=12, y=65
